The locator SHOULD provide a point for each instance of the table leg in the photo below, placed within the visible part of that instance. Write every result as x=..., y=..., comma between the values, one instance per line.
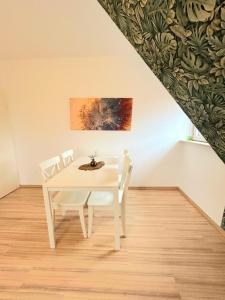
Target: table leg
x=49, y=218
x=116, y=220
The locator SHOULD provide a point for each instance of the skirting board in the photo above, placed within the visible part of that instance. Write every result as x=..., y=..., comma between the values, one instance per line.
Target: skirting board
x=213, y=223
x=30, y=186
x=10, y=192
x=162, y=188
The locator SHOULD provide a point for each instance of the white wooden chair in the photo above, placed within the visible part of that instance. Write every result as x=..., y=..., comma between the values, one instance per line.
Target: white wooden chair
x=67, y=157
x=113, y=161
x=105, y=199
x=50, y=167
x=64, y=201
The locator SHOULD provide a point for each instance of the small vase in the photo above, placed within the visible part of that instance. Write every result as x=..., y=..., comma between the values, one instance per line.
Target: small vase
x=93, y=163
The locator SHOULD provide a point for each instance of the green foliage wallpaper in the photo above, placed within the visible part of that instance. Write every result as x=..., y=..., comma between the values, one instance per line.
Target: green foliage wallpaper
x=183, y=42
x=223, y=221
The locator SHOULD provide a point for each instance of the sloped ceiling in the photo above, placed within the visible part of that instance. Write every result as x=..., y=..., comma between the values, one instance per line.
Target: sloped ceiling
x=183, y=42
x=32, y=29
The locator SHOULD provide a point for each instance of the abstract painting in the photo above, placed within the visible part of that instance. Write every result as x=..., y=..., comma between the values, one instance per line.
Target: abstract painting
x=100, y=113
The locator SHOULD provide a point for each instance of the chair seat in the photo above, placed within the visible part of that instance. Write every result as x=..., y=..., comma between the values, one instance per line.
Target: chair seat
x=103, y=198
x=70, y=200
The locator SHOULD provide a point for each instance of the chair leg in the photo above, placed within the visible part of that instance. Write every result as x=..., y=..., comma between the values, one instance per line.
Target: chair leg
x=90, y=219
x=53, y=218
x=82, y=221
x=123, y=219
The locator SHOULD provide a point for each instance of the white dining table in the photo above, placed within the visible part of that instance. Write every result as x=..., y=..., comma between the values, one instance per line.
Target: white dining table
x=71, y=178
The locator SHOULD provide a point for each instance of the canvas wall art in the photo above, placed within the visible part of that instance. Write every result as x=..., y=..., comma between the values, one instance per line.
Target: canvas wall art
x=100, y=113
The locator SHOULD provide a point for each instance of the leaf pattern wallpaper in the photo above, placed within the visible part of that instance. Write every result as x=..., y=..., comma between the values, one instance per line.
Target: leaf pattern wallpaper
x=183, y=43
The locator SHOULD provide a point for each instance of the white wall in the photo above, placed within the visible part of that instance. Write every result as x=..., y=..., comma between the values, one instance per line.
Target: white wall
x=8, y=168
x=39, y=92
x=203, y=178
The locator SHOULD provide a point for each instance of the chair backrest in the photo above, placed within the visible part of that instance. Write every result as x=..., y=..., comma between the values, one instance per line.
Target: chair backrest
x=129, y=167
x=67, y=157
x=50, y=167
x=127, y=180
x=124, y=166
x=126, y=169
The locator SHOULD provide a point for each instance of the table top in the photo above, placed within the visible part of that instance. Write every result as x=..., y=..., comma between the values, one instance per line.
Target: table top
x=72, y=177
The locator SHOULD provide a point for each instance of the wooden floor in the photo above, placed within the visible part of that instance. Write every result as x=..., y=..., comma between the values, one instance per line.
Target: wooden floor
x=171, y=252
